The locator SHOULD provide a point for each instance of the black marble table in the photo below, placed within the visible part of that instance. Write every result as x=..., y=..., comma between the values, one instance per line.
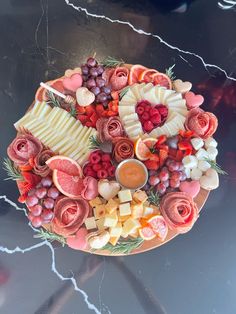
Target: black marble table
x=193, y=274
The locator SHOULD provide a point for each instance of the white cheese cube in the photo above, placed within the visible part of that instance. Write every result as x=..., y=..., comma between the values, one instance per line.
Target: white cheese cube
x=130, y=225
x=197, y=143
x=202, y=154
x=212, y=152
x=195, y=174
x=90, y=223
x=125, y=196
x=116, y=231
x=100, y=224
x=147, y=211
x=210, y=142
x=111, y=220
x=125, y=209
x=203, y=165
x=190, y=161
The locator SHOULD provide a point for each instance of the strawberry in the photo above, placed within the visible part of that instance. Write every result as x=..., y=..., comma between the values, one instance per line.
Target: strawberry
x=80, y=109
x=184, y=145
x=179, y=155
x=94, y=118
x=31, y=178
x=89, y=124
x=99, y=109
x=151, y=164
x=154, y=157
x=89, y=110
x=162, y=139
x=163, y=154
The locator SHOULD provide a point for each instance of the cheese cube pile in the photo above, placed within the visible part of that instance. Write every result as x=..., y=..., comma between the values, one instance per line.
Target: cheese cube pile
x=121, y=215
x=58, y=130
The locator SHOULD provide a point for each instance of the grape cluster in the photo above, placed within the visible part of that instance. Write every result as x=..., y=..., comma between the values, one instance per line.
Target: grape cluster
x=40, y=202
x=168, y=178
x=93, y=80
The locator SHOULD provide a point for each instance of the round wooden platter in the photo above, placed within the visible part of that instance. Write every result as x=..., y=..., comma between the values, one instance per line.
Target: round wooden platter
x=200, y=200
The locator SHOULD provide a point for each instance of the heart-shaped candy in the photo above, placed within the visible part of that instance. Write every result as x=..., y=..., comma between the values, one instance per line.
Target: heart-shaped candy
x=193, y=100
x=79, y=240
x=73, y=83
x=70, y=72
x=98, y=240
x=108, y=189
x=182, y=87
x=190, y=187
x=210, y=180
x=84, y=97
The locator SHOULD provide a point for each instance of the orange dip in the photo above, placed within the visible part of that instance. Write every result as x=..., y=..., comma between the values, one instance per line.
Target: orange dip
x=132, y=174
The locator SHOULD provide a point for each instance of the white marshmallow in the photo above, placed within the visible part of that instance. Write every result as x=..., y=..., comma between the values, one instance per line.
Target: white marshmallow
x=212, y=152
x=203, y=165
x=210, y=142
x=196, y=174
x=202, y=154
x=190, y=161
x=187, y=172
x=197, y=143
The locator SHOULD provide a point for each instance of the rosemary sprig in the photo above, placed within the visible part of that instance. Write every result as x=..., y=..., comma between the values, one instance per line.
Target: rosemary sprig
x=53, y=100
x=124, y=91
x=111, y=62
x=170, y=72
x=215, y=166
x=47, y=235
x=94, y=142
x=124, y=246
x=154, y=198
x=73, y=111
x=12, y=171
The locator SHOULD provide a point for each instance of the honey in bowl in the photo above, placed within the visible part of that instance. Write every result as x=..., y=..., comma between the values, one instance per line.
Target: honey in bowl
x=132, y=174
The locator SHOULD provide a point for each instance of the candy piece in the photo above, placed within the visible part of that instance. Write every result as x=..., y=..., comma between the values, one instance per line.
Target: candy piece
x=202, y=154
x=190, y=161
x=193, y=101
x=84, y=97
x=210, y=180
x=125, y=209
x=195, y=174
x=108, y=189
x=98, y=241
x=131, y=225
x=212, y=152
x=210, y=142
x=190, y=187
x=111, y=219
x=125, y=196
x=203, y=165
x=182, y=87
x=90, y=223
x=197, y=143
x=73, y=83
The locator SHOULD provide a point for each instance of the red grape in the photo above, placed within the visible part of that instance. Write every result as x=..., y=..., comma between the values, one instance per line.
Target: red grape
x=173, y=166
x=41, y=192
x=100, y=69
x=164, y=174
x=91, y=83
x=95, y=90
x=153, y=180
x=53, y=192
x=175, y=175
x=48, y=203
x=106, y=89
x=47, y=215
x=31, y=192
x=161, y=188
x=183, y=176
x=101, y=97
x=36, y=210
x=172, y=142
x=84, y=69
x=37, y=222
x=46, y=182
x=31, y=200
x=100, y=82
x=174, y=183
x=91, y=62
x=93, y=72
x=166, y=183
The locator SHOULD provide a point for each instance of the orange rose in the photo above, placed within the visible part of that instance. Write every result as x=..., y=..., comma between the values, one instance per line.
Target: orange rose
x=203, y=124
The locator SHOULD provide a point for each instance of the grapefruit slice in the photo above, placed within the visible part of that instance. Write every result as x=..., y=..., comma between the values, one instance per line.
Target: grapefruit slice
x=65, y=164
x=142, y=151
x=68, y=185
x=41, y=93
x=147, y=233
x=135, y=72
x=150, y=142
x=146, y=76
x=159, y=226
x=162, y=79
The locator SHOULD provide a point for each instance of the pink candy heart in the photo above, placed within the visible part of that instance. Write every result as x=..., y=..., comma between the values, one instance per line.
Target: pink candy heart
x=190, y=187
x=192, y=100
x=72, y=83
x=79, y=240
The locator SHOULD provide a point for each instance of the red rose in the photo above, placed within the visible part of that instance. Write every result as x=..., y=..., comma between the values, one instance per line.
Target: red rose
x=203, y=124
x=23, y=148
x=179, y=211
x=69, y=215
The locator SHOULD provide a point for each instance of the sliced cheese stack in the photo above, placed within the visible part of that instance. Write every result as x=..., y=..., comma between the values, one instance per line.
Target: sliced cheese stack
x=58, y=130
x=177, y=109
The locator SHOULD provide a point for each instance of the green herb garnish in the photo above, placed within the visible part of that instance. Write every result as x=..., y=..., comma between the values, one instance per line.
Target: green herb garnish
x=73, y=111
x=111, y=62
x=50, y=236
x=12, y=171
x=170, y=72
x=53, y=100
x=154, y=198
x=124, y=246
x=124, y=91
x=215, y=166
x=94, y=142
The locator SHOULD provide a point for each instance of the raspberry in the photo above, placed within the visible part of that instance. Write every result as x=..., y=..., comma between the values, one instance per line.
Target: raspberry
x=156, y=119
x=106, y=157
x=151, y=164
x=144, y=103
x=97, y=167
x=95, y=157
x=106, y=164
x=91, y=173
x=102, y=174
x=111, y=171
x=140, y=110
x=153, y=111
x=163, y=110
x=145, y=116
x=148, y=126
x=147, y=108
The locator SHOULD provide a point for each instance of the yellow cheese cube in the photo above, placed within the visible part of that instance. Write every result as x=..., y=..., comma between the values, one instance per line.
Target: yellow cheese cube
x=140, y=196
x=100, y=224
x=125, y=209
x=134, y=234
x=125, y=196
x=124, y=234
x=111, y=219
x=123, y=218
x=150, y=210
x=116, y=231
x=111, y=206
x=131, y=225
x=136, y=210
x=90, y=223
x=114, y=240
x=99, y=211
x=95, y=201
